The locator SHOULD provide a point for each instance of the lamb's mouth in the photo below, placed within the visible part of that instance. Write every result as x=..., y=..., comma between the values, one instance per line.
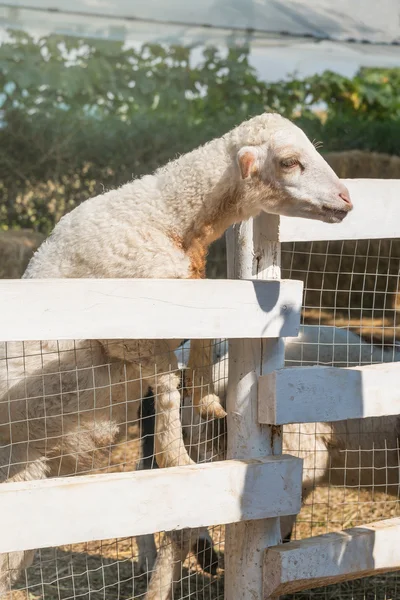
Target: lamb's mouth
x=333, y=215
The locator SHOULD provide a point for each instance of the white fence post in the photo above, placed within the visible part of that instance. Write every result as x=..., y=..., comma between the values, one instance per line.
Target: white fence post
x=251, y=255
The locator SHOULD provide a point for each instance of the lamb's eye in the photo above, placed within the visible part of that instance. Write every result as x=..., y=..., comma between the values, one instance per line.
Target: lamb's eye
x=289, y=163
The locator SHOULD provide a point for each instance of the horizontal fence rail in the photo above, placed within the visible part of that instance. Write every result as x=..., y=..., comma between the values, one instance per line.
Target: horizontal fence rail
x=53, y=512
x=332, y=558
x=147, y=308
x=376, y=214
x=312, y=394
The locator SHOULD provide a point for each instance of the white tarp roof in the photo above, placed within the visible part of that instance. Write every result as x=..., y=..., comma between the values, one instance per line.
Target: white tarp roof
x=277, y=27
x=377, y=22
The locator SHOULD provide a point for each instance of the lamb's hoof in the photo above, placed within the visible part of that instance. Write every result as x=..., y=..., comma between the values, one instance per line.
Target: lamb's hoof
x=287, y=537
x=210, y=407
x=206, y=556
x=171, y=460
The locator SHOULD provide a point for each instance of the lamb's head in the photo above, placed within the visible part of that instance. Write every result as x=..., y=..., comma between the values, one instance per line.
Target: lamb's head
x=283, y=173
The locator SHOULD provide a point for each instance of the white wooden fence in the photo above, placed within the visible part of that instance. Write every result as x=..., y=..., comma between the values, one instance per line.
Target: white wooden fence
x=257, y=484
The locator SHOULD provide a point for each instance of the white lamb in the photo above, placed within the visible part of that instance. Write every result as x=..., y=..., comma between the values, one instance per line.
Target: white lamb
x=158, y=226
x=162, y=224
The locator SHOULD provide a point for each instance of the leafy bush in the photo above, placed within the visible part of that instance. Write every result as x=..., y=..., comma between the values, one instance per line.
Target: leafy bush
x=78, y=116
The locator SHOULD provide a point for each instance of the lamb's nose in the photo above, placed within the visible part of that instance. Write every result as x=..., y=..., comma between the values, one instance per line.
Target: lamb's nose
x=345, y=196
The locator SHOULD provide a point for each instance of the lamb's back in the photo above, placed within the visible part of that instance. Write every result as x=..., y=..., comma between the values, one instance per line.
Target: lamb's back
x=105, y=236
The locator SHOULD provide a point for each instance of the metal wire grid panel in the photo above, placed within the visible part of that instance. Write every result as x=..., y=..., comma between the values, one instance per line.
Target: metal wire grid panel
x=349, y=284
x=351, y=469
x=66, y=411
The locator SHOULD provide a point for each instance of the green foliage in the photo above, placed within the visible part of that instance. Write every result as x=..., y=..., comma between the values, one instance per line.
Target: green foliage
x=78, y=116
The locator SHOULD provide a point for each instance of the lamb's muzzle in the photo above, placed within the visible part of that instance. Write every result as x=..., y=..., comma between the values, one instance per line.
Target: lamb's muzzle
x=345, y=205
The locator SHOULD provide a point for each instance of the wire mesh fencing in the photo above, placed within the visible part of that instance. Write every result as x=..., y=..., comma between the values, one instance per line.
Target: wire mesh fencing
x=72, y=408
x=351, y=468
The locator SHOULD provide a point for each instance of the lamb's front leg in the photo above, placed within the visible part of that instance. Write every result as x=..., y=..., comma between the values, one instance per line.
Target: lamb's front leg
x=169, y=445
x=199, y=380
x=170, y=451
x=156, y=366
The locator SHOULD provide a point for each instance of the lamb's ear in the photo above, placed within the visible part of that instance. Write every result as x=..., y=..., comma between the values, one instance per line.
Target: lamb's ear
x=247, y=158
